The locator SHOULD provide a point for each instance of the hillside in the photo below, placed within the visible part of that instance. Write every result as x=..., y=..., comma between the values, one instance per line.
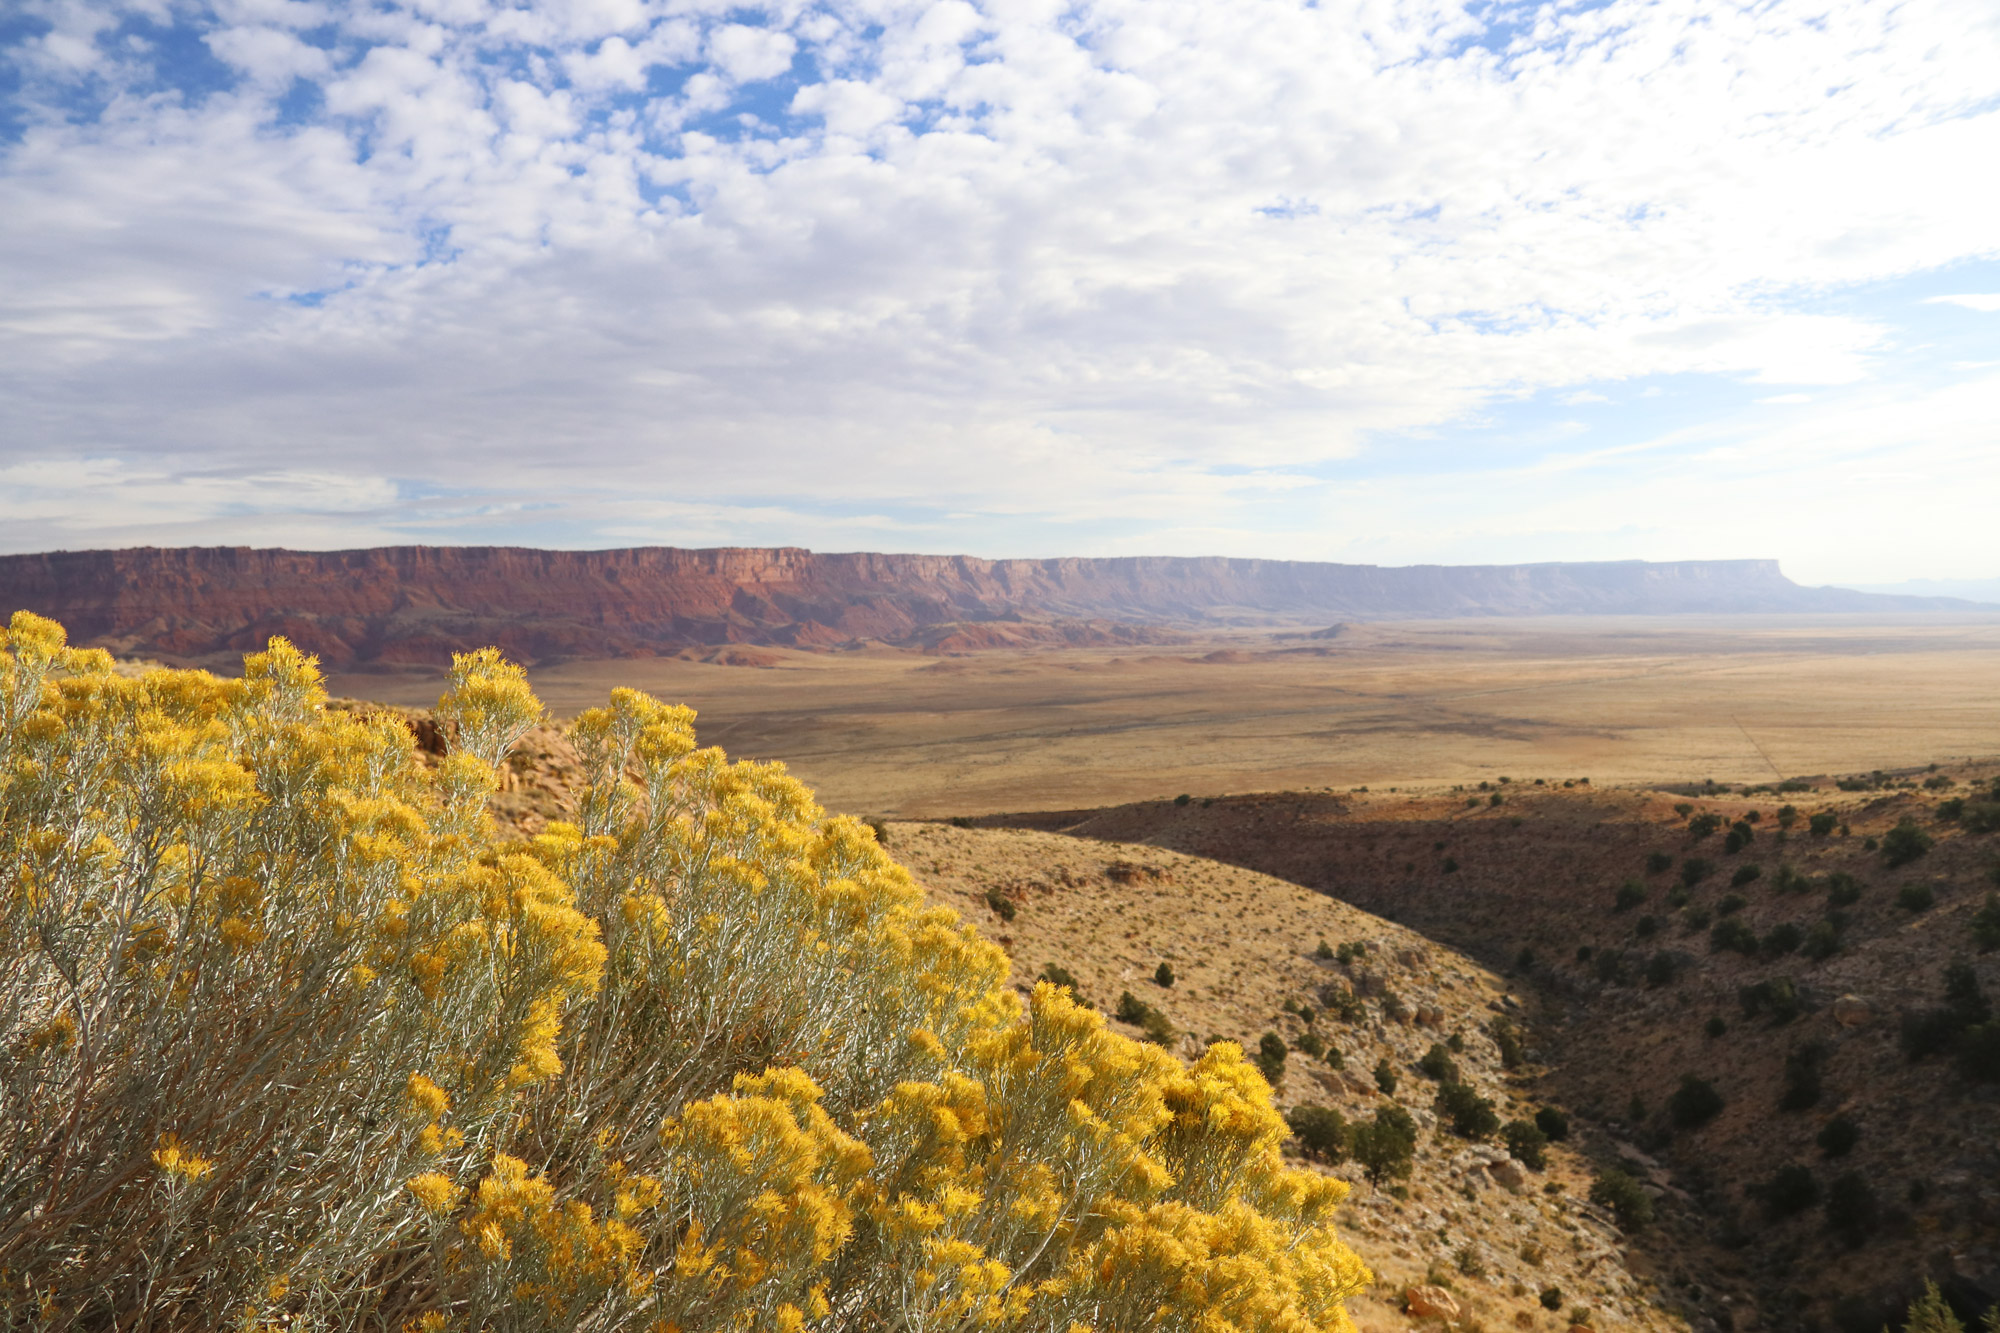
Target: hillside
x=1797, y=1017
x=414, y=605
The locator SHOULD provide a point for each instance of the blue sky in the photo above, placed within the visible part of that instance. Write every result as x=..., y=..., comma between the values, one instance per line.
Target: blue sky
x=1390, y=281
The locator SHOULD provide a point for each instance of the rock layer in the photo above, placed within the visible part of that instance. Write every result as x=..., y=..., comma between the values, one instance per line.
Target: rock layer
x=416, y=604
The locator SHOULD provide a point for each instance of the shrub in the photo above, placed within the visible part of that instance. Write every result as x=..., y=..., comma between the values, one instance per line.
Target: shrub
x=1914, y=898
x=1715, y=1027
x=1183, y=799
x=1963, y=996
x=1646, y=927
x=1986, y=924
x=1788, y=815
x=1553, y=1123
x=1450, y=865
x=1525, y=1140
x=1980, y=817
x=1470, y=1115
x=1334, y=1059
x=1777, y=996
x=1694, y=1103
x=1057, y=975
x=1437, y=1064
x=1321, y=1131
x=1508, y=1042
x=1552, y=1298
x=1271, y=1056
x=1311, y=1044
x=1804, y=1065
x=1158, y=1030
x=1852, y=1209
x=1787, y=879
x=1905, y=843
x=1979, y=1052
x=1781, y=939
x=1741, y=835
x=1842, y=890
x=1822, y=940
x=1003, y=906
x=1789, y=1192
x=1386, y=1147
x=1658, y=862
x=1821, y=824
x=1625, y=1197
x=1339, y=999
x=1703, y=824
x=1695, y=920
x=1746, y=874
x=1838, y=1136
x=1630, y=894
x=1695, y=869
x=1325, y=950
x=1664, y=968
x=341, y=1031
x=1928, y=1032
x=1385, y=1077
x=1949, y=811
x=1609, y=965
x=1731, y=904
x=1732, y=934
x=1163, y=975
x=1678, y=897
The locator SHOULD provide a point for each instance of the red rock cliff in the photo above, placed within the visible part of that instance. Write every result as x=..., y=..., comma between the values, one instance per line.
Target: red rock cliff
x=410, y=604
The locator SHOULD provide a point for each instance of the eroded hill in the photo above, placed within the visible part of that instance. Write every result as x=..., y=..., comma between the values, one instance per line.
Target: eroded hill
x=1817, y=977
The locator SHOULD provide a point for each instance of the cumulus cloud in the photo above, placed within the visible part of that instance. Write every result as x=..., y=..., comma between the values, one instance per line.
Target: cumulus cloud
x=1051, y=265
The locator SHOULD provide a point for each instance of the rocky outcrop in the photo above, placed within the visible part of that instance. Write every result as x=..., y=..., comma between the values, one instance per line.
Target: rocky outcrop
x=417, y=604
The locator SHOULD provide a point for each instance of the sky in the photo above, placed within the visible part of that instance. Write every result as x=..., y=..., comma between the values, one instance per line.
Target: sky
x=1381, y=281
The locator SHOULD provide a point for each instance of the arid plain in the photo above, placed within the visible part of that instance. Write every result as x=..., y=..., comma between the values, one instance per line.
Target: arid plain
x=1414, y=703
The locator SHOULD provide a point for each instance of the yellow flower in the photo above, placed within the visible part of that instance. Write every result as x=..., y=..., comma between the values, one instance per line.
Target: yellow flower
x=427, y=1100
x=174, y=1158
x=435, y=1192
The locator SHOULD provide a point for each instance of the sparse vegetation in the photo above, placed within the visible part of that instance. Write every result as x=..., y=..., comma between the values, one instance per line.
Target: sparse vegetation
x=1804, y=1069
x=1905, y=843
x=1386, y=1146
x=1553, y=1124
x=1385, y=1077
x=1527, y=1143
x=1270, y=1057
x=1625, y=1197
x=1694, y=1103
x=1838, y=1136
x=1790, y=1191
x=1131, y=1009
x=1914, y=898
x=1469, y=1115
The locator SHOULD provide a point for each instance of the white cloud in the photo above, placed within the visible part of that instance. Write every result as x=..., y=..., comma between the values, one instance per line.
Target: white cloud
x=1987, y=302
x=1017, y=258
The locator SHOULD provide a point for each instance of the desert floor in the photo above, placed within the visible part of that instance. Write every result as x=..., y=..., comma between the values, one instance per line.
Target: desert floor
x=1616, y=699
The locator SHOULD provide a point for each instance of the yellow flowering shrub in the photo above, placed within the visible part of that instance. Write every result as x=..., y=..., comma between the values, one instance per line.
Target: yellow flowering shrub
x=288, y=1035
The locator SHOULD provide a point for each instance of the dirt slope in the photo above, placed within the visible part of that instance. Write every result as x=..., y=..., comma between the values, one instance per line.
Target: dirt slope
x=1625, y=1000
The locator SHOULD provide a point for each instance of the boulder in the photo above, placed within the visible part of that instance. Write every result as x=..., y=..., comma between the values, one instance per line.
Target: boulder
x=1431, y=1302
x=1851, y=1011
x=1509, y=1175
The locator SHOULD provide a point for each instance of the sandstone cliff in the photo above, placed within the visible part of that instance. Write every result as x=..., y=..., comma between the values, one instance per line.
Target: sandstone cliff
x=416, y=604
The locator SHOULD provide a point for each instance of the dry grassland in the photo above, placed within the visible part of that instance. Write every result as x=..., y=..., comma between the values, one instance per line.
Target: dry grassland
x=1620, y=699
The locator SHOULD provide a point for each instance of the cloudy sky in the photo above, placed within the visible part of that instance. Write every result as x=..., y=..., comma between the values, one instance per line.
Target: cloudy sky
x=1372, y=280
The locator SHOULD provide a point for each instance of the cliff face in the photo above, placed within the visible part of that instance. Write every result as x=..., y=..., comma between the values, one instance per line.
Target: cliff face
x=417, y=604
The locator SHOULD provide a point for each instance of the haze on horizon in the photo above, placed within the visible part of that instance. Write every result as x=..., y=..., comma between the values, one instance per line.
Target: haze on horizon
x=1382, y=281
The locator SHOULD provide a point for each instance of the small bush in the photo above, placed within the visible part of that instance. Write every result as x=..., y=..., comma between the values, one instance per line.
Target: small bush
x=1777, y=996
x=1986, y=924
x=1842, y=890
x=1677, y=898
x=1321, y=1131
x=1838, y=1137
x=1657, y=862
x=1746, y=874
x=1980, y=817
x=1790, y=1192
x=1646, y=927
x=1822, y=941
x=1552, y=1298
x=1664, y=968
x=1625, y=1198
x=1852, y=1209
x=1450, y=865
x=1470, y=1115
x=1731, y=904
x=1183, y=799
x=1702, y=825
x=1694, y=1103
x=1325, y=950
x=1553, y=1123
x=1787, y=879
x=1527, y=1143
x=1438, y=1065
x=1311, y=1045
x=1979, y=1052
x=1788, y=815
x=1963, y=996
x=1905, y=843
x=1386, y=1147
x=1270, y=1056
x=1385, y=1077
x=1163, y=975
x=1696, y=869
x=1781, y=939
x=1057, y=975
x=1630, y=894
x=1609, y=965
x=1740, y=836
x=1512, y=1053
x=1334, y=1059
x=1715, y=1027
x=1002, y=905
x=1695, y=920
x=1914, y=898
x=1132, y=1009
x=1732, y=935
x=1339, y=999
x=1927, y=1032
x=1804, y=1066
x=1821, y=824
